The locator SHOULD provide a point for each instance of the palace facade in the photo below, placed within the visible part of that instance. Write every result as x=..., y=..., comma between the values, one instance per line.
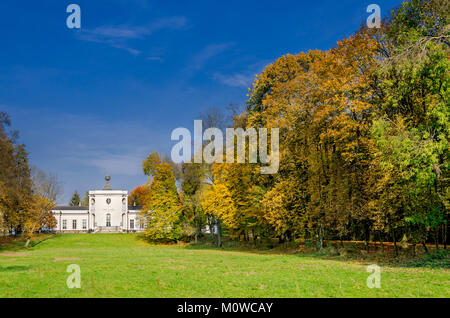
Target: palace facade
x=108, y=212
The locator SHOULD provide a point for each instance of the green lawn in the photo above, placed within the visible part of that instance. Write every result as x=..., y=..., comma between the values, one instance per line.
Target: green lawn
x=123, y=265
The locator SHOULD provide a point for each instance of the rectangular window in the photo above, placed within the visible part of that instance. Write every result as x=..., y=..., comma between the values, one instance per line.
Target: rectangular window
x=84, y=224
x=74, y=224
x=64, y=224
x=131, y=224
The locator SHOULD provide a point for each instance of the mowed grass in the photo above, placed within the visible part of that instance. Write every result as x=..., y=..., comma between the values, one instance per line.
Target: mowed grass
x=124, y=265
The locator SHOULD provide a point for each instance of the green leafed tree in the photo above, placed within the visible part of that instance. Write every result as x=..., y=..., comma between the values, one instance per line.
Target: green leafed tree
x=85, y=201
x=75, y=201
x=413, y=125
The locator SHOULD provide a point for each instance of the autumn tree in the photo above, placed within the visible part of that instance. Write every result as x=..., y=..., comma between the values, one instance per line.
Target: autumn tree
x=46, y=189
x=192, y=186
x=201, y=177
x=364, y=131
x=38, y=215
x=138, y=194
x=412, y=128
x=323, y=109
x=161, y=210
x=15, y=179
x=26, y=195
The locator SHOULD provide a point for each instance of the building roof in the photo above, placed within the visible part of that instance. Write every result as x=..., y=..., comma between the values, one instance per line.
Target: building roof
x=76, y=208
x=85, y=208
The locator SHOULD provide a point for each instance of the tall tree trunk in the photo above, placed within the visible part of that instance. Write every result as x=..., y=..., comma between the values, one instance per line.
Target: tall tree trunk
x=212, y=228
x=319, y=240
x=366, y=237
x=380, y=237
x=286, y=240
x=436, y=238
x=255, y=237
x=27, y=242
x=219, y=234
x=395, y=243
x=445, y=236
x=413, y=247
x=425, y=247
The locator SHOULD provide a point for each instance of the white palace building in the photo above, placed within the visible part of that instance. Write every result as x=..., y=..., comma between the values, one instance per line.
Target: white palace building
x=108, y=212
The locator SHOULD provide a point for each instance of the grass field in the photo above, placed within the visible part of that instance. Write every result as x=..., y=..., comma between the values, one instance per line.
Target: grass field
x=123, y=265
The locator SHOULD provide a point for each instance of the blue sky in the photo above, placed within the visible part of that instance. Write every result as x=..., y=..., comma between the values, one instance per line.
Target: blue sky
x=97, y=100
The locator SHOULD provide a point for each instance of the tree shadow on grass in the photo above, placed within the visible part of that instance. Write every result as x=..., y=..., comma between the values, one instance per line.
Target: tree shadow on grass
x=350, y=253
x=15, y=268
x=439, y=259
x=243, y=247
x=140, y=237
x=12, y=244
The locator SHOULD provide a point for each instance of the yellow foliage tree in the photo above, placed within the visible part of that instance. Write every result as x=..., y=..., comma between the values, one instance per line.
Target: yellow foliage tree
x=38, y=215
x=161, y=210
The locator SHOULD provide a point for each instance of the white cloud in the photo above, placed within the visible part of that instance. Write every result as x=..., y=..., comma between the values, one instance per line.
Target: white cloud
x=235, y=80
x=117, y=35
x=242, y=78
x=210, y=51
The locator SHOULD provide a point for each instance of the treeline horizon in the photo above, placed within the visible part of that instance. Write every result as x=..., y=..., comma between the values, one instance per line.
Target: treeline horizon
x=364, y=134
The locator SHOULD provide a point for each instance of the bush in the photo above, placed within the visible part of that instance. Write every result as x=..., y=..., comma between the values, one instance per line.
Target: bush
x=439, y=258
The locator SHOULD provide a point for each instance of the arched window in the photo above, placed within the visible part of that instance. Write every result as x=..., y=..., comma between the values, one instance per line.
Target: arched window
x=108, y=219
